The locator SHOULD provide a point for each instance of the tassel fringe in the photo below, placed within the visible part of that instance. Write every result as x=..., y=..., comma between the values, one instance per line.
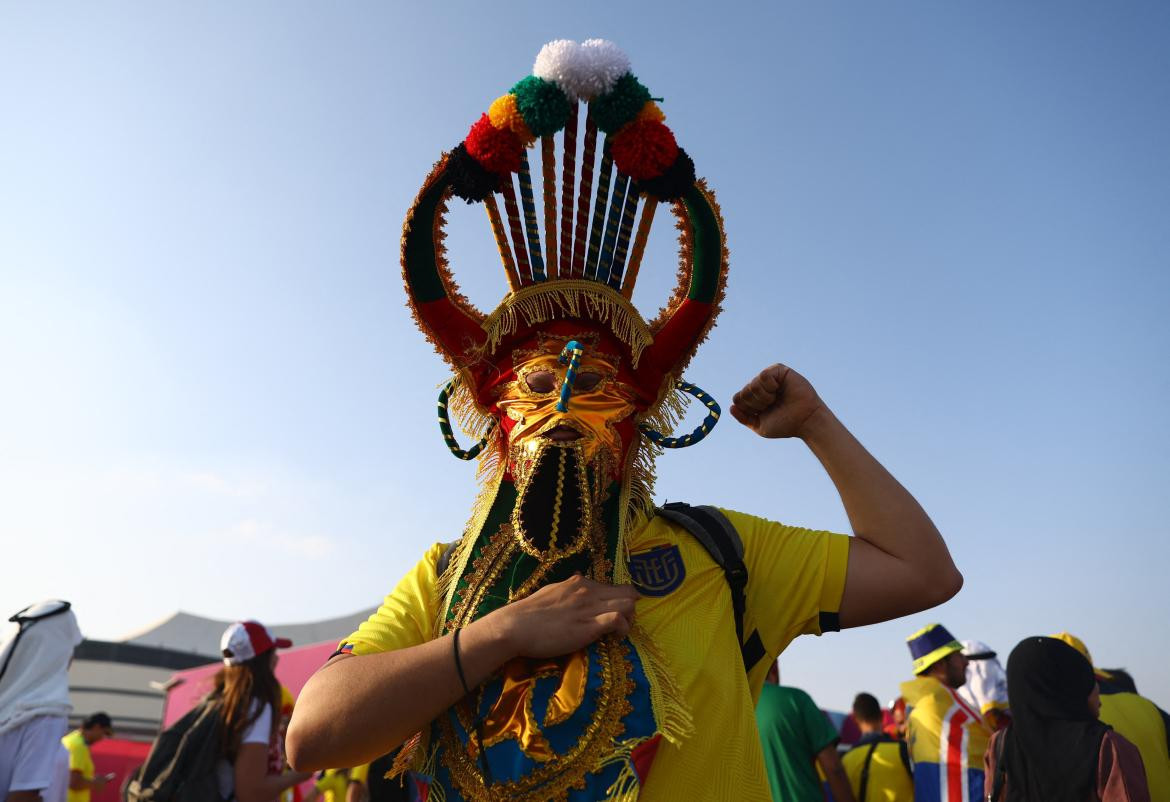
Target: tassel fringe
x=571, y=298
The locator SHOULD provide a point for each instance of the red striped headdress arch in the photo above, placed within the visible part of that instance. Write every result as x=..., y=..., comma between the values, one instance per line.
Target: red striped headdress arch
x=571, y=256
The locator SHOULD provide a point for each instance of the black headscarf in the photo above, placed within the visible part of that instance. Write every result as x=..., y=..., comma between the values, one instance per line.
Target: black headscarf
x=1052, y=747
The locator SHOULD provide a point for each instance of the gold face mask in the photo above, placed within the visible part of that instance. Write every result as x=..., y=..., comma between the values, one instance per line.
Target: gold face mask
x=597, y=402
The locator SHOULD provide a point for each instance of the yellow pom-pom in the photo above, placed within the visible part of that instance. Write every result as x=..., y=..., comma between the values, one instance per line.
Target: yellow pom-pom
x=650, y=111
x=506, y=116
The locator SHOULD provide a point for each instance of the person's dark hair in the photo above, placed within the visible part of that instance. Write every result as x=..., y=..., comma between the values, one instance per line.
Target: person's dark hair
x=1119, y=680
x=97, y=720
x=866, y=708
x=236, y=687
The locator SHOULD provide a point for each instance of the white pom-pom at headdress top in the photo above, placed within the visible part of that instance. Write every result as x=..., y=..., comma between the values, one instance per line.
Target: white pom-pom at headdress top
x=582, y=71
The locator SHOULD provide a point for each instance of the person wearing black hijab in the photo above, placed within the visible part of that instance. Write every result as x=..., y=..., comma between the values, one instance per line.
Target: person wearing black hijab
x=1055, y=749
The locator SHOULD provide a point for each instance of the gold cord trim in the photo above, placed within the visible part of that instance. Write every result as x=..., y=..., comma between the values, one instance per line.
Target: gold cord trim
x=497, y=223
x=644, y=223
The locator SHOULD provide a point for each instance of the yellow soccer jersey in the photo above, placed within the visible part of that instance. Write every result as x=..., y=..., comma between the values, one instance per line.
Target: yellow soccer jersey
x=81, y=760
x=889, y=777
x=795, y=581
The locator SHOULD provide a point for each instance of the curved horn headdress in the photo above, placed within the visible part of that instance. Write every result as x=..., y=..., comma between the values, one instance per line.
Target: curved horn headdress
x=580, y=256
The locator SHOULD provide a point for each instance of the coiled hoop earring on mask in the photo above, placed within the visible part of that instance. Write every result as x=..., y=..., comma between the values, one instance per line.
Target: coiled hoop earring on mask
x=713, y=411
x=449, y=436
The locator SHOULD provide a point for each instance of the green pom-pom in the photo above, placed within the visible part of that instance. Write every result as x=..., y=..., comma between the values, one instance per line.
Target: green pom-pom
x=542, y=104
x=619, y=105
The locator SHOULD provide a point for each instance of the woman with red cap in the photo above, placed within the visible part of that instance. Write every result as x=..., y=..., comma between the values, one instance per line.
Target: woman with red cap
x=249, y=693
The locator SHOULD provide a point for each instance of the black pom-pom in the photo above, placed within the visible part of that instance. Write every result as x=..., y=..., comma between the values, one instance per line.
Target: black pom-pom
x=674, y=183
x=469, y=180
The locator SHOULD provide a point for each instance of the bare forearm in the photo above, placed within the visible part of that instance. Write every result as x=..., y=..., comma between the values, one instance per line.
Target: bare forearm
x=356, y=709
x=906, y=545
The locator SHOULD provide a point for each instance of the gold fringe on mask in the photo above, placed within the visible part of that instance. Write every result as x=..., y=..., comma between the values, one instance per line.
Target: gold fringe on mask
x=671, y=714
x=626, y=787
x=445, y=588
x=638, y=483
x=463, y=409
x=572, y=298
x=419, y=754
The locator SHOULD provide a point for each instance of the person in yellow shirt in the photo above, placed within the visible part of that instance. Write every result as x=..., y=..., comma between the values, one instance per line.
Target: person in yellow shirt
x=878, y=766
x=334, y=785
x=1141, y=721
x=578, y=643
x=81, y=771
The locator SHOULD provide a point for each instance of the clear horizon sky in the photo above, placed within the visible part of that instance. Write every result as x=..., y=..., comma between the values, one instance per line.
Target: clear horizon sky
x=954, y=219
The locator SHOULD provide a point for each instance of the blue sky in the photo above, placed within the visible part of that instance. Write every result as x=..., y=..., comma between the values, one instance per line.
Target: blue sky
x=952, y=218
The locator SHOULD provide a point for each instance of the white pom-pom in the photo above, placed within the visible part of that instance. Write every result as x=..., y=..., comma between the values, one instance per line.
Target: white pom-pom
x=564, y=63
x=607, y=63
x=582, y=71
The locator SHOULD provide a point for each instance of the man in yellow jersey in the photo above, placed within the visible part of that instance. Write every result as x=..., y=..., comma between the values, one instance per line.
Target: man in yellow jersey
x=947, y=736
x=577, y=643
x=1141, y=721
x=81, y=771
x=878, y=766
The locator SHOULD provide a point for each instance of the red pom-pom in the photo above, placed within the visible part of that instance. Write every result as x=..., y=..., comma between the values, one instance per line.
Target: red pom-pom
x=644, y=149
x=496, y=150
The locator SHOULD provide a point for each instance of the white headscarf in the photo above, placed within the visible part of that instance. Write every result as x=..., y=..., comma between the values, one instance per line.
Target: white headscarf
x=986, y=685
x=37, y=651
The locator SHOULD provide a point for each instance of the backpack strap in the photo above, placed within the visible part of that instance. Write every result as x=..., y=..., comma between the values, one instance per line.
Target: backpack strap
x=904, y=753
x=861, y=792
x=1000, y=769
x=711, y=528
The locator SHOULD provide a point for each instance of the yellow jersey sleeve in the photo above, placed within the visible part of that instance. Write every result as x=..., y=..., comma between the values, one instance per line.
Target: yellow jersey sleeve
x=80, y=758
x=406, y=616
x=796, y=578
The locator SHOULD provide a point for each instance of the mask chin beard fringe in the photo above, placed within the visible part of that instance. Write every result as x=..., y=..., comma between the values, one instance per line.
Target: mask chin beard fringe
x=558, y=497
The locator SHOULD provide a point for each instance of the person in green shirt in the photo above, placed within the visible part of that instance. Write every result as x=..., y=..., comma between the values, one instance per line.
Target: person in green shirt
x=796, y=738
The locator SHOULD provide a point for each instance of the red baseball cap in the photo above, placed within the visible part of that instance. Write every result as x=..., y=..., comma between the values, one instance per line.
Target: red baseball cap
x=244, y=640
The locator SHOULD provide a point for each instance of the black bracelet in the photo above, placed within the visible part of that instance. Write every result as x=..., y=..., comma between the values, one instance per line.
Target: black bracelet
x=478, y=734
x=459, y=663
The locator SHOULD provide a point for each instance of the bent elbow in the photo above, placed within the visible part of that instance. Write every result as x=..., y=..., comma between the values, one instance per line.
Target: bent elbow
x=946, y=585
x=299, y=749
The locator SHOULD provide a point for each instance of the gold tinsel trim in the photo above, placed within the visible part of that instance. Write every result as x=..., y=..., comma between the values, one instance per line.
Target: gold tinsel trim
x=671, y=713
x=569, y=298
x=462, y=554
x=444, y=272
x=627, y=786
x=465, y=411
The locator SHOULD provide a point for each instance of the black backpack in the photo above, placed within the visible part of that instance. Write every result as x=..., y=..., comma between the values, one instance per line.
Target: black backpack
x=711, y=528
x=181, y=764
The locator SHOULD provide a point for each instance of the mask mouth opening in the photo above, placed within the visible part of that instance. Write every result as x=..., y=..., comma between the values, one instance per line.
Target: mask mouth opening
x=562, y=433
x=553, y=511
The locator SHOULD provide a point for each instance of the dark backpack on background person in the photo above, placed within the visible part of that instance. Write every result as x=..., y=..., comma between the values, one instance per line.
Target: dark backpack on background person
x=181, y=764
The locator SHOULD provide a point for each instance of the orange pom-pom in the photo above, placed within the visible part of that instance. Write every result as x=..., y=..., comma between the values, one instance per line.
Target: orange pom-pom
x=643, y=149
x=498, y=150
x=506, y=116
x=650, y=111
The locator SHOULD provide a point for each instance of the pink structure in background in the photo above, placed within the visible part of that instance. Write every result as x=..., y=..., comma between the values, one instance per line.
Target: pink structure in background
x=113, y=755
